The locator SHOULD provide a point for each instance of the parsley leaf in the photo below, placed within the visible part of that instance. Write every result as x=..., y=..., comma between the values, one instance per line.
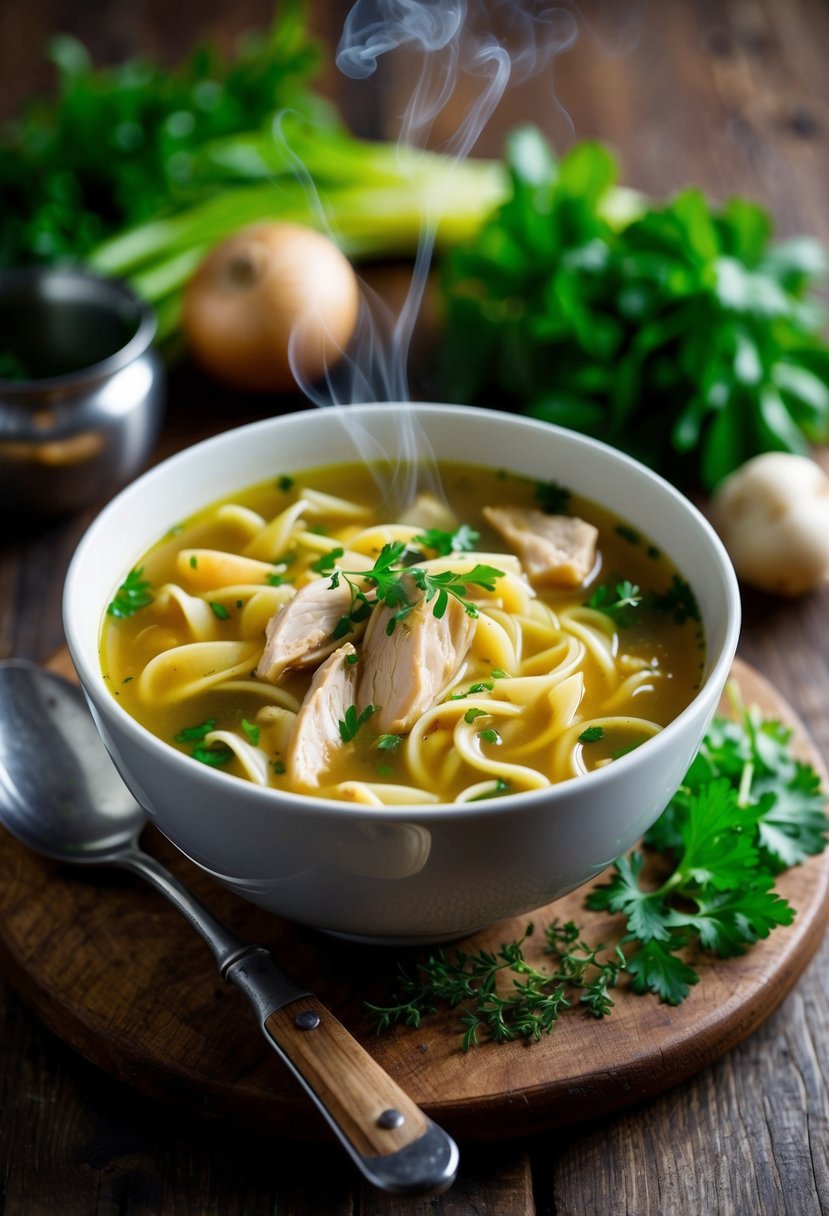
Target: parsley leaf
x=591, y=734
x=251, y=730
x=351, y=723
x=463, y=540
x=133, y=594
x=215, y=755
x=617, y=601
x=388, y=743
x=192, y=734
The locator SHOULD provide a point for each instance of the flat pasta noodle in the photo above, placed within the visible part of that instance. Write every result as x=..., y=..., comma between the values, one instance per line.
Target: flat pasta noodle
x=276, y=538
x=185, y=671
x=190, y=615
x=212, y=569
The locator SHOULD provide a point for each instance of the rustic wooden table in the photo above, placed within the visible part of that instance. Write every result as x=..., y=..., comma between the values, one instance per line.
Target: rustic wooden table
x=735, y=98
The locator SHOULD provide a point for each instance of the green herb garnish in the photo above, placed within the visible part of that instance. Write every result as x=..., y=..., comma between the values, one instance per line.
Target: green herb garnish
x=529, y=1008
x=251, y=730
x=489, y=736
x=389, y=743
x=192, y=734
x=285, y=483
x=133, y=594
x=219, y=611
x=462, y=540
x=675, y=330
x=616, y=601
x=473, y=713
x=388, y=579
x=215, y=755
x=349, y=726
x=592, y=734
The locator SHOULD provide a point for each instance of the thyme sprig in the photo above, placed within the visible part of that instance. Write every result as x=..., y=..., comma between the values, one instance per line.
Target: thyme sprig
x=501, y=995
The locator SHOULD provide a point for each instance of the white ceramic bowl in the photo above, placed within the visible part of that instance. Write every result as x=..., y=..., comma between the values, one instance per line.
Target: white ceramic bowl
x=398, y=874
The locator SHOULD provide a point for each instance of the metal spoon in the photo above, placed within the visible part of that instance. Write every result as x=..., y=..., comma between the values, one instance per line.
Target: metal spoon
x=76, y=808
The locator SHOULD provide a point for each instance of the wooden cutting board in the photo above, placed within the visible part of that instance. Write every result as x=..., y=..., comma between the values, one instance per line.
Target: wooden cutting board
x=119, y=975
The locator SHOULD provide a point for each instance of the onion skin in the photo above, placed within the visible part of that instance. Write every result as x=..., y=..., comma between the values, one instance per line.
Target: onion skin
x=257, y=289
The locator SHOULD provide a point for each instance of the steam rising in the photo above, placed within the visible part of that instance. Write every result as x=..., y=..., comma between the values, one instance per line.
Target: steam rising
x=488, y=44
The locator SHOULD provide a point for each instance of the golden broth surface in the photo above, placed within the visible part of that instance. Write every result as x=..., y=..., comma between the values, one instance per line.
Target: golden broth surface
x=657, y=657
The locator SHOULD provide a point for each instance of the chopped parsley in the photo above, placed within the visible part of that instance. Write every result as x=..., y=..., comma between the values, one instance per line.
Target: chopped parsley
x=463, y=540
x=592, y=734
x=285, y=483
x=278, y=767
x=251, y=730
x=481, y=686
x=489, y=736
x=192, y=734
x=351, y=723
x=219, y=611
x=473, y=712
x=617, y=601
x=388, y=743
x=215, y=755
x=134, y=593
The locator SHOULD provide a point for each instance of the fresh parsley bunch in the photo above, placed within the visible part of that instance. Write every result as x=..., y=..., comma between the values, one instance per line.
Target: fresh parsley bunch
x=746, y=810
x=677, y=332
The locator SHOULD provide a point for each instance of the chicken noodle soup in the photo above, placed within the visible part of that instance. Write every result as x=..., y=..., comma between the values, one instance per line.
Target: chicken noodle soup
x=496, y=642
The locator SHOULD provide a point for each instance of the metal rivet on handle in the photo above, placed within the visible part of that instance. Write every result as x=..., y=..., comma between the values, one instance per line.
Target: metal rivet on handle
x=390, y=1119
x=307, y=1020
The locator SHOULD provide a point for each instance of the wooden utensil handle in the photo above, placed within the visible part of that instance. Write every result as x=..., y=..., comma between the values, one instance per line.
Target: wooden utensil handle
x=370, y=1108
x=394, y=1145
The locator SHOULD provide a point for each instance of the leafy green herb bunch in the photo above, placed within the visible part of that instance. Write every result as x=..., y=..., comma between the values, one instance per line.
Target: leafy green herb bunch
x=678, y=332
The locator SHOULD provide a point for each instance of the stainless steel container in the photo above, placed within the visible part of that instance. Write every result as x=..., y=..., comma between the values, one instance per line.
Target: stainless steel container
x=81, y=389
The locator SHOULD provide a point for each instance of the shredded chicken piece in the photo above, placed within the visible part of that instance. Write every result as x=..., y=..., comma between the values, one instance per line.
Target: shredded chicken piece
x=555, y=550
x=316, y=733
x=404, y=673
x=300, y=633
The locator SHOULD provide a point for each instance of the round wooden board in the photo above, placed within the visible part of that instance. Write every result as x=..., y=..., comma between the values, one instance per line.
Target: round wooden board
x=119, y=975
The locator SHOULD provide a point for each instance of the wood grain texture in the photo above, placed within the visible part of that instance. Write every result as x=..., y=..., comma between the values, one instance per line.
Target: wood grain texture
x=353, y=1087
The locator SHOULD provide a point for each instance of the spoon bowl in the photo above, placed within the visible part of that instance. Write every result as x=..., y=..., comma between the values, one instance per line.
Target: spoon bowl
x=60, y=792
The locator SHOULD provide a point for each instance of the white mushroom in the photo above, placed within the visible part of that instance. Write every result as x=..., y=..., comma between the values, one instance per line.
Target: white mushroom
x=773, y=516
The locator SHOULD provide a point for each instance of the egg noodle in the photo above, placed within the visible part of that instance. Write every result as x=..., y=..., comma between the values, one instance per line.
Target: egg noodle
x=549, y=689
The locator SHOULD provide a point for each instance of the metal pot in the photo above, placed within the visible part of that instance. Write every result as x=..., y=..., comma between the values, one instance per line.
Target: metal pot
x=81, y=389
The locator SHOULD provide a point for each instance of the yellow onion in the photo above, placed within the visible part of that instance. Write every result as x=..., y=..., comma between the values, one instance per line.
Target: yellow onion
x=266, y=288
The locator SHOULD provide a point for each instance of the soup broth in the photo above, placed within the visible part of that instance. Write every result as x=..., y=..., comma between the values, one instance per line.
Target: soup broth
x=554, y=681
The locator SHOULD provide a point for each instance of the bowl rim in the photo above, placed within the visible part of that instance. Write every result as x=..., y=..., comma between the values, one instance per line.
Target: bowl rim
x=105, y=286
x=274, y=799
